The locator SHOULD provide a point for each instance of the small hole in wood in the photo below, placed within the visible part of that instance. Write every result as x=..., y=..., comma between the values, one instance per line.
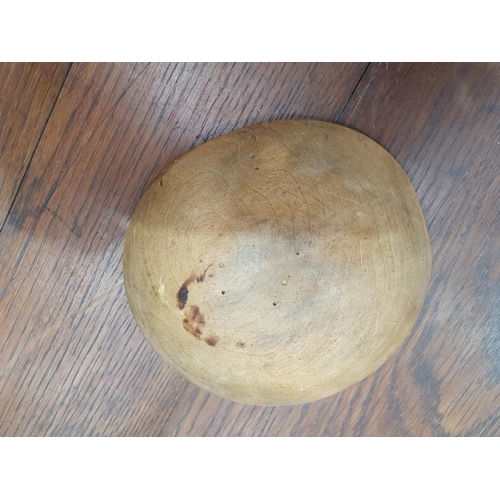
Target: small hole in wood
x=223, y=292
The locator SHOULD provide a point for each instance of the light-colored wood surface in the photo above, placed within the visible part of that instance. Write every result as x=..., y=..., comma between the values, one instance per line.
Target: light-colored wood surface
x=280, y=263
x=72, y=359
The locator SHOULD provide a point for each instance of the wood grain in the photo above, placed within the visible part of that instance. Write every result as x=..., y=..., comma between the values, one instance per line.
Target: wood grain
x=72, y=359
x=27, y=95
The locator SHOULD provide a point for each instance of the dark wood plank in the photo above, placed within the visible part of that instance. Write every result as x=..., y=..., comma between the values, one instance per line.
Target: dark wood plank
x=72, y=359
x=28, y=92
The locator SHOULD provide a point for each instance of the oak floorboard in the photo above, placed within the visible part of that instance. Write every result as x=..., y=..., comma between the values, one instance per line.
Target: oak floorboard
x=28, y=92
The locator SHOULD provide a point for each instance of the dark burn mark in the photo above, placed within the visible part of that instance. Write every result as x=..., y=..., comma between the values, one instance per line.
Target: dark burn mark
x=194, y=322
x=212, y=340
x=182, y=294
x=196, y=314
x=205, y=271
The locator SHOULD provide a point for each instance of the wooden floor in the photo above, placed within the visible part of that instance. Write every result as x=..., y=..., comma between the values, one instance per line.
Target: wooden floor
x=80, y=143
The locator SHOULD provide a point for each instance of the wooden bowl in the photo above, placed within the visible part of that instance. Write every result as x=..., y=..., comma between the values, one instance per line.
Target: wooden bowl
x=279, y=263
